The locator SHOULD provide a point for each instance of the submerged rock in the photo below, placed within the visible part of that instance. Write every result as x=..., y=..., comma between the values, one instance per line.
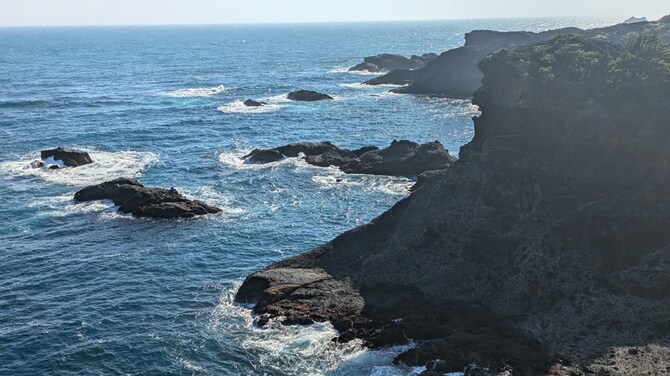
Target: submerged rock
x=253, y=103
x=308, y=96
x=36, y=164
x=69, y=157
x=132, y=197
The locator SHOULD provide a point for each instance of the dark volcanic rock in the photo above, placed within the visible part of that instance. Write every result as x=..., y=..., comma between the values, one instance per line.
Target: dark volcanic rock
x=544, y=248
x=132, y=197
x=335, y=157
x=70, y=157
x=390, y=62
x=262, y=156
x=307, y=148
x=402, y=158
x=253, y=103
x=307, y=96
x=396, y=77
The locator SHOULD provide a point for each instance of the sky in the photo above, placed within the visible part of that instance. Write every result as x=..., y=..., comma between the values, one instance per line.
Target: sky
x=152, y=12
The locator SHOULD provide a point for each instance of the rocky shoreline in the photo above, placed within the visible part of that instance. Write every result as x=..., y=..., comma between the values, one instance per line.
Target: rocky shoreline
x=401, y=158
x=534, y=253
x=455, y=72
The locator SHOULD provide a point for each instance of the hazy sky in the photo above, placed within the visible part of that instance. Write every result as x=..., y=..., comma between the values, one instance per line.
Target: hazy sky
x=134, y=12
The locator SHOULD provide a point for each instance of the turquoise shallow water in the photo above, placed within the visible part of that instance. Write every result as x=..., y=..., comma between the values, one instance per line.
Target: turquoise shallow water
x=84, y=290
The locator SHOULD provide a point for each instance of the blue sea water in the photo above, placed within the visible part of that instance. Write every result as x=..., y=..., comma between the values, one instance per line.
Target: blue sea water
x=85, y=290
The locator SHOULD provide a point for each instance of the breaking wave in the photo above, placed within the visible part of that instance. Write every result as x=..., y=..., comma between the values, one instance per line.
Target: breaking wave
x=194, y=92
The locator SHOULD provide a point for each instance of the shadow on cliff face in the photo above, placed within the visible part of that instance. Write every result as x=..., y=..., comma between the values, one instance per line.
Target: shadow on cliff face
x=544, y=246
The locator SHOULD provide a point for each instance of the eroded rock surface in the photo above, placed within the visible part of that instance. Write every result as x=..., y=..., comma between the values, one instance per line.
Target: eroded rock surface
x=132, y=197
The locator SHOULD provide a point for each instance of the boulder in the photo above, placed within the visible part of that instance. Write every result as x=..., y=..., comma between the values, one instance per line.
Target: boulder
x=69, y=157
x=262, y=156
x=308, y=96
x=132, y=197
x=253, y=103
x=36, y=164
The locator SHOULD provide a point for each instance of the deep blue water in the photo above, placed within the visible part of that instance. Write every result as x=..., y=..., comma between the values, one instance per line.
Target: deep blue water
x=84, y=290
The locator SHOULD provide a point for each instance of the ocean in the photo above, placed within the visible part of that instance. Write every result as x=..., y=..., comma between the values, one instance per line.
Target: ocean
x=86, y=290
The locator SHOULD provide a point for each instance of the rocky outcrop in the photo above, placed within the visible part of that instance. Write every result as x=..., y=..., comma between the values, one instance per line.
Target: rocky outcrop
x=455, y=73
x=633, y=20
x=69, y=157
x=253, y=103
x=308, y=96
x=132, y=197
x=390, y=62
x=543, y=250
x=401, y=158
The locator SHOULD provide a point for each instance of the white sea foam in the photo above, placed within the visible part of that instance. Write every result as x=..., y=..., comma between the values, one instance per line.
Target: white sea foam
x=298, y=350
x=194, y=92
x=238, y=107
x=360, y=73
x=105, y=166
x=325, y=177
x=358, y=85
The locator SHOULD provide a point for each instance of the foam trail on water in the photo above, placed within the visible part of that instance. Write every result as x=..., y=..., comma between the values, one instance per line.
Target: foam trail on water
x=194, y=92
x=105, y=166
x=360, y=73
x=238, y=107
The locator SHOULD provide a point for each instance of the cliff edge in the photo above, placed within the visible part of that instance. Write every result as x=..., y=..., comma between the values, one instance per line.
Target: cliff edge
x=543, y=250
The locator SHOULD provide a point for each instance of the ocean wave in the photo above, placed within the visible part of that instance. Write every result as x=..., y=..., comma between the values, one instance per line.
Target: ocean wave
x=194, y=92
x=299, y=350
x=25, y=103
x=238, y=107
x=359, y=85
x=105, y=166
x=360, y=73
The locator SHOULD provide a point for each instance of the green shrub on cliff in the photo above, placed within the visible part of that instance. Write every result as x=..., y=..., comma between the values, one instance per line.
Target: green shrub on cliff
x=643, y=66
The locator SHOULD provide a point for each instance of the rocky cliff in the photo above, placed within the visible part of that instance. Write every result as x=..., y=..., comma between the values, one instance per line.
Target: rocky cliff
x=544, y=249
x=455, y=72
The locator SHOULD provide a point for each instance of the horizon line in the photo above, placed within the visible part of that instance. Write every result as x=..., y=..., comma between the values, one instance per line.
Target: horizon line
x=652, y=18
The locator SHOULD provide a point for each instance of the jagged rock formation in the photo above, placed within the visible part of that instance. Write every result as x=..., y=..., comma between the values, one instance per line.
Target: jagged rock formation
x=308, y=96
x=455, y=72
x=401, y=158
x=543, y=249
x=132, y=197
x=390, y=62
x=69, y=157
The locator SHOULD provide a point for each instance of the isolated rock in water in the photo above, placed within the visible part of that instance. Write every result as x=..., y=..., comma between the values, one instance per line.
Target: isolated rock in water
x=253, y=103
x=132, y=197
x=70, y=157
x=402, y=158
x=53, y=167
x=261, y=156
x=390, y=62
x=634, y=20
x=307, y=148
x=36, y=164
x=307, y=96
